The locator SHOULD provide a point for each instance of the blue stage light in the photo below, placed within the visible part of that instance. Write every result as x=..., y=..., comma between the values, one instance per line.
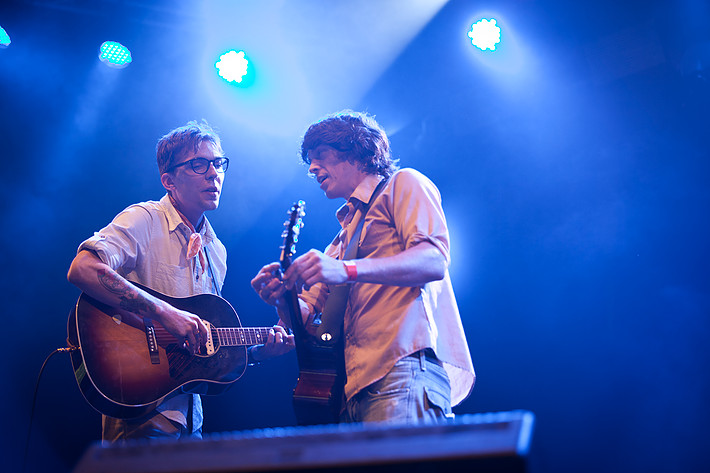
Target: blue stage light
x=233, y=66
x=115, y=54
x=485, y=34
x=4, y=38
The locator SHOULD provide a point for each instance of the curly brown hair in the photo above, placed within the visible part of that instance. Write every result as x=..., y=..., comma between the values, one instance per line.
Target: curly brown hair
x=355, y=134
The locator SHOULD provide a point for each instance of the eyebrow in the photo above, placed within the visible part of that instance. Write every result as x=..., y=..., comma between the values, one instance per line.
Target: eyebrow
x=318, y=150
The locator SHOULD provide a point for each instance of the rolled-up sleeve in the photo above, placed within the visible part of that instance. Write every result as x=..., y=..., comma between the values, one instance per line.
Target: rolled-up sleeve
x=415, y=203
x=120, y=242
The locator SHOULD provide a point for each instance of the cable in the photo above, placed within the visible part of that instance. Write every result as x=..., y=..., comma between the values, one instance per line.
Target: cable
x=34, y=400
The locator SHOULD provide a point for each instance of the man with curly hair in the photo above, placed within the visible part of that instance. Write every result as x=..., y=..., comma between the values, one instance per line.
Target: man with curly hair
x=406, y=355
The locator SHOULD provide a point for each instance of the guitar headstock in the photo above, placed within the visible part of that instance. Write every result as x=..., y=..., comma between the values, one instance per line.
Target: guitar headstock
x=293, y=225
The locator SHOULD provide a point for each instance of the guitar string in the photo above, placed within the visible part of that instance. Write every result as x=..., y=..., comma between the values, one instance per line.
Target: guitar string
x=242, y=336
x=226, y=336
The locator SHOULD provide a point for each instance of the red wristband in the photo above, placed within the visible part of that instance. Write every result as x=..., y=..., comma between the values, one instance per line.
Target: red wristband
x=351, y=270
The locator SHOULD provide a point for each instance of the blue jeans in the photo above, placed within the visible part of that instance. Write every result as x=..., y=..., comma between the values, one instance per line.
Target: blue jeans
x=416, y=390
x=152, y=426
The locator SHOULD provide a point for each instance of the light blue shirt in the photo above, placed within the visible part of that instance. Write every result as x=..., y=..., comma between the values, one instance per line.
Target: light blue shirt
x=147, y=243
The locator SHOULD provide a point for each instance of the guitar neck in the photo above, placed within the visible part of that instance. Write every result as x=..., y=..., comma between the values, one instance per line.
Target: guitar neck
x=246, y=336
x=294, y=313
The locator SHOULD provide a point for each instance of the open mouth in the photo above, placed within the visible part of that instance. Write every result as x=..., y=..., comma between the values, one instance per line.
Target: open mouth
x=212, y=193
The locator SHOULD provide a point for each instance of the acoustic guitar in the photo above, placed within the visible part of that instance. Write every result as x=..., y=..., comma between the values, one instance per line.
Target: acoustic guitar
x=318, y=395
x=126, y=366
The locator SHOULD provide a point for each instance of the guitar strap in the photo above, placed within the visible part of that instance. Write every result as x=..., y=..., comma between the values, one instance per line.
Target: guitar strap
x=192, y=392
x=212, y=276
x=329, y=331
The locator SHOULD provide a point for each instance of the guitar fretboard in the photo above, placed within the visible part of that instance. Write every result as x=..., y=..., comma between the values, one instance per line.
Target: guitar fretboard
x=241, y=336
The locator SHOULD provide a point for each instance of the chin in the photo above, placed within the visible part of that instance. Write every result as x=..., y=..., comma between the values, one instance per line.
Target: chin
x=212, y=205
x=331, y=195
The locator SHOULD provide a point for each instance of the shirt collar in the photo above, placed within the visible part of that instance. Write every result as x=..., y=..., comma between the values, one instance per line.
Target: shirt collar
x=362, y=194
x=174, y=220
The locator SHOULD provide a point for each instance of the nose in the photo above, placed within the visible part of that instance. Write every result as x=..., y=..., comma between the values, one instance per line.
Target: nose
x=211, y=172
x=313, y=167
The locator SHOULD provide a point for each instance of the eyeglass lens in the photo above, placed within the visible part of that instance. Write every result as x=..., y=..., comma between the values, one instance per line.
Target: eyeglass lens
x=201, y=165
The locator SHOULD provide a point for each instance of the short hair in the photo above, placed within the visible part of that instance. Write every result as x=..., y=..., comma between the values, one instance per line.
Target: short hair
x=178, y=142
x=357, y=135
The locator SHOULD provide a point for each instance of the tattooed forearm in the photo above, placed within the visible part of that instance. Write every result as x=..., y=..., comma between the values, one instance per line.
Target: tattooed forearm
x=111, y=281
x=130, y=299
x=137, y=304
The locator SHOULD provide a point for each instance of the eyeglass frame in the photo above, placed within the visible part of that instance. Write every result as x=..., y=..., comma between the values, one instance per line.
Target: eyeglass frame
x=223, y=167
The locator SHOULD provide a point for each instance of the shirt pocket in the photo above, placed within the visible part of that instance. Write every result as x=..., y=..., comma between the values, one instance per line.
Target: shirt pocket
x=173, y=280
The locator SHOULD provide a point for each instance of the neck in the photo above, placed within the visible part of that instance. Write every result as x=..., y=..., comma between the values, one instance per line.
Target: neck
x=356, y=182
x=195, y=221
x=200, y=222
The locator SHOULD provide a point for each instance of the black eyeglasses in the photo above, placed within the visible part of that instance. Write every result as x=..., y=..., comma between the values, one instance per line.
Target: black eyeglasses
x=201, y=165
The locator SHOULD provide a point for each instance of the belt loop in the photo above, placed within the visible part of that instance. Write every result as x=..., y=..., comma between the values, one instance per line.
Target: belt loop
x=422, y=360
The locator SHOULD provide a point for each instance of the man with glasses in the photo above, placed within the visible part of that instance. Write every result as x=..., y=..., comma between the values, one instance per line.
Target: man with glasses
x=170, y=247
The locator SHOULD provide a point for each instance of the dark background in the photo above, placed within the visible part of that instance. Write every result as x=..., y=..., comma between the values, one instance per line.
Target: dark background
x=573, y=164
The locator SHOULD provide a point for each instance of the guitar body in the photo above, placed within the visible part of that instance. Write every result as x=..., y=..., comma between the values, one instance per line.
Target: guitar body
x=117, y=374
x=318, y=395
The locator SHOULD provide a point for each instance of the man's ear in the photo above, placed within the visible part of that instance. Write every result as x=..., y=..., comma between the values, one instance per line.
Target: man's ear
x=168, y=181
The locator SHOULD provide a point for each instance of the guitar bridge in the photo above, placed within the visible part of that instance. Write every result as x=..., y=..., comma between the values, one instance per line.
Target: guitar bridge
x=152, y=341
x=209, y=344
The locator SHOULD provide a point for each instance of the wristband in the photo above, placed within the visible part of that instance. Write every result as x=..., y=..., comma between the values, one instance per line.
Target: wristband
x=351, y=270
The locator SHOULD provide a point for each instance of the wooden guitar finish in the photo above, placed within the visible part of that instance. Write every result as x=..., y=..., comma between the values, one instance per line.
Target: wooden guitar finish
x=318, y=395
x=119, y=375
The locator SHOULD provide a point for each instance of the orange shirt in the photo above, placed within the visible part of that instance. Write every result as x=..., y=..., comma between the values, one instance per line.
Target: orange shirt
x=385, y=323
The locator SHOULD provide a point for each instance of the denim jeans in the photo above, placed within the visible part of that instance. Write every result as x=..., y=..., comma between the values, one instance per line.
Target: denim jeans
x=152, y=426
x=416, y=390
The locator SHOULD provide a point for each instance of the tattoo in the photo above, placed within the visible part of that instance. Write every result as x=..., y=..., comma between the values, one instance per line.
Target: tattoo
x=112, y=281
x=130, y=299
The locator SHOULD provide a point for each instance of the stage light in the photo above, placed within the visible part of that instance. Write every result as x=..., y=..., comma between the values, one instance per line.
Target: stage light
x=233, y=66
x=115, y=54
x=485, y=34
x=4, y=38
